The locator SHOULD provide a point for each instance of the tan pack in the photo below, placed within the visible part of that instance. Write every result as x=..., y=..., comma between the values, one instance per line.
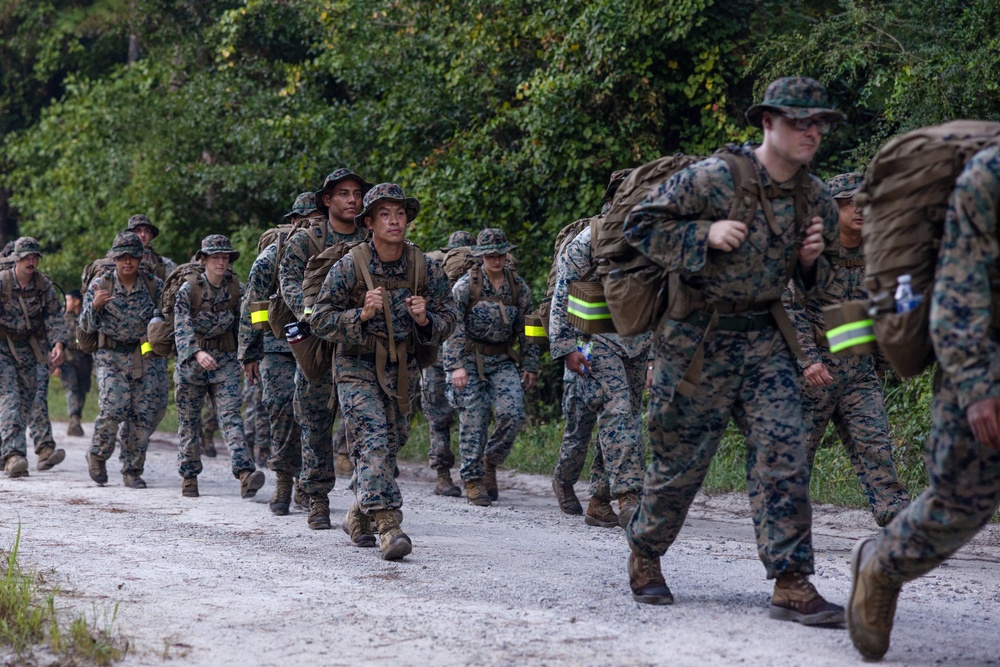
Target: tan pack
x=160, y=335
x=91, y=342
x=536, y=324
x=278, y=312
x=458, y=261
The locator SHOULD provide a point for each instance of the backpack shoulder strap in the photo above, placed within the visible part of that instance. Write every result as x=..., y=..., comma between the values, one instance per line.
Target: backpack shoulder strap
x=475, y=285
x=361, y=254
x=150, y=283
x=7, y=276
x=515, y=287
x=196, y=294
x=747, y=188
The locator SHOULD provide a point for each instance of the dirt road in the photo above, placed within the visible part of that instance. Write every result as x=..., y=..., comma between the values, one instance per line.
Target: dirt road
x=221, y=581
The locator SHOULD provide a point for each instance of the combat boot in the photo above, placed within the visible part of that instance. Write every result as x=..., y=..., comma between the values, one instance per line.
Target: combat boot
x=282, y=498
x=208, y=444
x=490, y=480
x=628, y=503
x=250, y=483
x=49, y=458
x=16, y=466
x=600, y=514
x=872, y=605
x=446, y=487
x=74, y=429
x=393, y=542
x=476, y=494
x=796, y=599
x=343, y=466
x=319, y=511
x=133, y=481
x=566, y=496
x=189, y=487
x=97, y=468
x=646, y=580
x=299, y=497
x=358, y=526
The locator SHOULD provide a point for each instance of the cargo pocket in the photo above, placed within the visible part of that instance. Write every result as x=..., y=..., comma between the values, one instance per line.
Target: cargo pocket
x=905, y=338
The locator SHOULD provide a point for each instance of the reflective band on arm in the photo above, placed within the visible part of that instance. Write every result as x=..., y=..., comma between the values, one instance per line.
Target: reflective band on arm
x=258, y=316
x=147, y=348
x=534, y=332
x=308, y=311
x=850, y=334
x=588, y=310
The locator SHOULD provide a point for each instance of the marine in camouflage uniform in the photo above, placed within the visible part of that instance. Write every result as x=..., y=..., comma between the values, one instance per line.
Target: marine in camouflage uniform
x=846, y=388
x=339, y=200
x=257, y=424
x=963, y=450
x=433, y=401
x=206, y=363
x=747, y=371
x=605, y=390
x=482, y=365
x=124, y=381
x=77, y=368
x=376, y=379
x=30, y=319
x=269, y=360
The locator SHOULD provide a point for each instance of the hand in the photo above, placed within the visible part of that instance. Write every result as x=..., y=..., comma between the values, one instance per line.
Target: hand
x=528, y=380
x=649, y=377
x=726, y=235
x=205, y=360
x=56, y=356
x=56, y=372
x=817, y=376
x=813, y=245
x=459, y=378
x=417, y=305
x=984, y=419
x=372, y=305
x=251, y=370
x=577, y=363
x=101, y=297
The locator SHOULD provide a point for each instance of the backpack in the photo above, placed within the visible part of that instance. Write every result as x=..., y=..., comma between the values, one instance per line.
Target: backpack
x=278, y=312
x=104, y=266
x=458, y=261
x=536, y=324
x=475, y=296
x=160, y=334
x=905, y=199
x=40, y=283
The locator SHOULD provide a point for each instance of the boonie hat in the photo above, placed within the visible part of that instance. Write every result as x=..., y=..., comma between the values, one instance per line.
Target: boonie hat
x=126, y=243
x=388, y=192
x=216, y=244
x=492, y=241
x=304, y=204
x=461, y=239
x=334, y=177
x=139, y=220
x=25, y=246
x=846, y=185
x=795, y=97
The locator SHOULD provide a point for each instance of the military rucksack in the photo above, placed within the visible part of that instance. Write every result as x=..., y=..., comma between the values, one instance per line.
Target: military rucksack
x=104, y=267
x=536, y=324
x=160, y=334
x=458, y=261
x=475, y=296
x=905, y=198
x=39, y=283
x=278, y=312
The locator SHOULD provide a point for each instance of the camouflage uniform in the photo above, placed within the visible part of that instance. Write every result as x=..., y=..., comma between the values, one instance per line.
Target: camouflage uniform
x=39, y=425
x=124, y=378
x=609, y=394
x=854, y=399
x=207, y=330
x=495, y=322
x=258, y=425
x=29, y=311
x=76, y=370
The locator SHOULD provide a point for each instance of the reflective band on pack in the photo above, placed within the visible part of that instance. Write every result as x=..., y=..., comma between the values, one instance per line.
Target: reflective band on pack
x=308, y=311
x=258, y=316
x=534, y=332
x=850, y=334
x=586, y=310
x=147, y=348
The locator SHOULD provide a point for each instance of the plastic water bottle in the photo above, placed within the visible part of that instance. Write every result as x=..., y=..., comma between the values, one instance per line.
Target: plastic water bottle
x=906, y=300
x=157, y=316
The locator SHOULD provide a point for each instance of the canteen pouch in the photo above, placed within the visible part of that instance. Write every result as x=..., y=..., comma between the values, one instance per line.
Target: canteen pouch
x=849, y=329
x=905, y=338
x=587, y=309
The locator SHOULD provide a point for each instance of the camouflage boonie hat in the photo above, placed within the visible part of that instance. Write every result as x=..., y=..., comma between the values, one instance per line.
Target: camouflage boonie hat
x=388, y=192
x=461, y=239
x=334, y=177
x=126, y=243
x=139, y=220
x=492, y=241
x=617, y=178
x=216, y=244
x=8, y=249
x=795, y=97
x=304, y=204
x=846, y=185
x=25, y=246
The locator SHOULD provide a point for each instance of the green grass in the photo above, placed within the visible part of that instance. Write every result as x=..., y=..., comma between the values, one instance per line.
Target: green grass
x=29, y=621
x=57, y=403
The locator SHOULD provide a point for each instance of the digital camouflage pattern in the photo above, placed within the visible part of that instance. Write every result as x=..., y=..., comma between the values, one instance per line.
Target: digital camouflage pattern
x=610, y=394
x=461, y=239
x=845, y=186
x=376, y=427
x=749, y=375
x=439, y=414
x=795, y=97
x=334, y=177
x=492, y=241
x=216, y=244
x=305, y=203
x=40, y=426
x=387, y=192
x=964, y=475
x=76, y=369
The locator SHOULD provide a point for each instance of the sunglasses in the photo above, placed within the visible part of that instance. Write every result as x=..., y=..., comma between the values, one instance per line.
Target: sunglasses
x=823, y=126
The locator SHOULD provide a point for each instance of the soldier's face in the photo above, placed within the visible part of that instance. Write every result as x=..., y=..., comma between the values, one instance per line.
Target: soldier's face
x=127, y=266
x=344, y=202
x=791, y=144
x=387, y=222
x=851, y=219
x=494, y=263
x=145, y=234
x=72, y=304
x=216, y=265
x=28, y=264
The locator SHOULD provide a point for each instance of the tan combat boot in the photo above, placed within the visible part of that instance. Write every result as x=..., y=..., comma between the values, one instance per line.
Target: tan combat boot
x=97, y=468
x=343, y=466
x=566, y=496
x=600, y=514
x=208, y=444
x=358, y=525
x=796, y=599
x=476, y=494
x=490, y=480
x=628, y=503
x=74, y=429
x=16, y=466
x=446, y=487
x=250, y=483
x=49, y=458
x=133, y=481
x=646, y=580
x=282, y=498
x=393, y=542
x=872, y=605
x=319, y=511
x=189, y=487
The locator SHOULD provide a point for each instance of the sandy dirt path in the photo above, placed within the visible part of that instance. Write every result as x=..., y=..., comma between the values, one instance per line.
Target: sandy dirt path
x=221, y=581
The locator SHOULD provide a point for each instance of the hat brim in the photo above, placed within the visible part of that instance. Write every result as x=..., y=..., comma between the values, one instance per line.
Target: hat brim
x=18, y=256
x=411, y=205
x=302, y=213
x=847, y=194
x=493, y=250
x=156, y=230
x=321, y=207
x=233, y=254
x=121, y=253
x=755, y=114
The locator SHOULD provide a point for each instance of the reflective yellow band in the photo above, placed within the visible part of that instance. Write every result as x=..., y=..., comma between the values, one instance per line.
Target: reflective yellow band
x=850, y=334
x=147, y=348
x=308, y=311
x=258, y=316
x=586, y=310
x=534, y=332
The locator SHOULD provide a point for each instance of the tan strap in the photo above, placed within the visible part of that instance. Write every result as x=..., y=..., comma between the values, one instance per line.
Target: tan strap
x=33, y=336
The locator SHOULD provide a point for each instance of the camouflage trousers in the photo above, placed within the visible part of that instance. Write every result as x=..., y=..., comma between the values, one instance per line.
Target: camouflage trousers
x=315, y=416
x=963, y=495
x=123, y=402
x=277, y=381
x=610, y=396
x=751, y=377
x=257, y=423
x=501, y=391
x=17, y=384
x=192, y=383
x=154, y=401
x=209, y=416
x=40, y=426
x=75, y=378
x=376, y=428
x=854, y=402
x=440, y=415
